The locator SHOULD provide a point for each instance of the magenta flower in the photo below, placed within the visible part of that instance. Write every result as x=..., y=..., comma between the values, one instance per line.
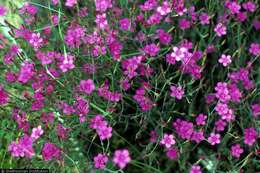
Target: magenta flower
x=22, y=148
x=254, y=49
x=151, y=49
x=101, y=21
x=225, y=60
x=197, y=136
x=103, y=5
x=98, y=122
x=255, y=110
x=249, y=6
x=222, y=92
x=167, y=140
x=50, y=151
x=220, y=29
x=214, y=139
x=200, y=119
x=236, y=150
x=164, y=9
x=204, y=18
x=195, y=169
x=10, y=77
x=87, y=86
x=220, y=125
x=26, y=72
x=184, y=24
x=164, y=37
x=183, y=128
x=4, y=96
x=250, y=136
x=100, y=161
x=2, y=10
x=104, y=132
x=67, y=63
x=121, y=158
x=125, y=24
x=74, y=35
x=172, y=153
x=234, y=7
x=36, y=41
x=177, y=92
x=62, y=132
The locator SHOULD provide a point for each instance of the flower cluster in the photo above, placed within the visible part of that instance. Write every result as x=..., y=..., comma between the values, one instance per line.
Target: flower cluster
x=98, y=123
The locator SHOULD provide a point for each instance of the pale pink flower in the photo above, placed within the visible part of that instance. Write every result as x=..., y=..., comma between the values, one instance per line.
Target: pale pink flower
x=167, y=140
x=121, y=158
x=214, y=139
x=36, y=132
x=225, y=60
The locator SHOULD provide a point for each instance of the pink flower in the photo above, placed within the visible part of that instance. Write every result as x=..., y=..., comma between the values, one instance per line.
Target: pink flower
x=36, y=133
x=195, y=169
x=55, y=2
x=22, y=148
x=167, y=140
x=10, y=77
x=36, y=41
x=67, y=63
x=220, y=29
x=74, y=35
x=103, y=5
x=87, y=86
x=98, y=122
x=179, y=53
x=220, y=125
x=121, y=158
x=164, y=9
x=26, y=72
x=249, y=6
x=100, y=161
x=197, y=136
x=184, y=24
x=172, y=153
x=4, y=96
x=250, y=136
x=2, y=10
x=221, y=108
x=234, y=7
x=177, y=92
x=204, y=18
x=164, y=37
x=254, y=49
x=125, y=24
x=70, y=3
x=255, y=110
x=214, y=139
x=101, y=21
x=222, y=92
x=183, y=128
x=62, y=132
x=50, y=151
x=234, y=93
x=151, y=49
x=104, y=132
x=225, y=60
x=200, y=119
x=236, y=150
